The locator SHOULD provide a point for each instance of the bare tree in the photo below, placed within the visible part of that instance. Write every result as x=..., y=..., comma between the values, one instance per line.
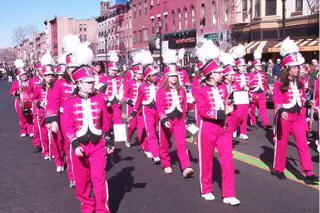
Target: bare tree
x=31, y=29
x=19, y=35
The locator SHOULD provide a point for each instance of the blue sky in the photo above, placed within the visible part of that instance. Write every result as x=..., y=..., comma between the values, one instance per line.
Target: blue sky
x=15, y=13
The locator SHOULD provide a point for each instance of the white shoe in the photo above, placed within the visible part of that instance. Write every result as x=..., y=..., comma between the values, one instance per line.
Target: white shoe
x=317, y=142
x=156, y=160
x=46, y=157
x=168, y=170
x=243, y=136
x=128, y=144
x=234, y=134
x=233, y=201
x=31, y=135
x=148, y=154
x=60, y=169
x=208, y=196
x=23, y=135
x=308, y=142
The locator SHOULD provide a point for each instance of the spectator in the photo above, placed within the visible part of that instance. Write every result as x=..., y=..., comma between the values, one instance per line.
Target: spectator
x=276, y=69
x=269, y=67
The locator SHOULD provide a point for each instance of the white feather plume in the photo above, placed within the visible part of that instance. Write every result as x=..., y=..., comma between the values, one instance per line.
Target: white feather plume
x=113, y=57
x=257, y=54
x=300, y=58
x=288, y=46
x=146, y=58
x=239, y=52
x=170, y=56
x=181, y=53
x=70, y=42
x=211, y=51
x=46, y=59
x=62, y=59
x=83, y=55
x=19, y=63
x=226, y=59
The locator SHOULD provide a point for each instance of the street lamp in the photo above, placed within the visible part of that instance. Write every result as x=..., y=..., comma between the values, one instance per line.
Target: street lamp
x=283, y=19
x=160, y=35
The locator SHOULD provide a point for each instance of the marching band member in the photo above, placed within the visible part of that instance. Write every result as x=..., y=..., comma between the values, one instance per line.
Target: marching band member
x=22, y=101
x=242, y=78
x=35, y=82
x=87, y=122
x=40, y=99
x=114, y=91
x=183, y=75
x=146, y=100
x=258, y=89
x=61, y=67
x=212, y=105
x=130, y=96
x=289, y=97
x=172, y=108
x=62, y=90
x=317, y=109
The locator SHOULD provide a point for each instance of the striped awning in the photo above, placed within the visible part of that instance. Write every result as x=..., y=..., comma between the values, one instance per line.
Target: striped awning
x=307, y=44
x=262, y=46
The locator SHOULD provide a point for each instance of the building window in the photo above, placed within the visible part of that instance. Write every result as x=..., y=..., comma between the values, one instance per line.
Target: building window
x=158, y=24
x=173, y=21
x=203, y=10
x=271, y=7
x=185, y=18
x=140, y=35
x=299, y=5
x=145, y=36
x=166, y=23
x=80, y=37
x=84, y=37
x=140, y=9
x=257, y=8
x=135, y=37
x=158, y=2
x=226, y=10
x=84, y=27
x=80, y=27
x=152, y=26
x=179, y=19
x=145, y=7
x=193, y=15
x=134, y=11
x=214, y=11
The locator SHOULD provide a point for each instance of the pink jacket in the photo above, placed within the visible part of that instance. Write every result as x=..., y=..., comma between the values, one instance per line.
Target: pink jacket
x=195, y=84
x=243, y=80
x=167, y=101
x=62, y=90
x=183, y=77
x=254, y=82
x=131, y=91
x=146, y=95
x=19, y=86
x=208, y=107
x=112, y=94
x=86, y=119
x=34, y=83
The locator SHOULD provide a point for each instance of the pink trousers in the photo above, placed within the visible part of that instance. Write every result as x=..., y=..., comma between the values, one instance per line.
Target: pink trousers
x=26, y=124
x=259, y=99
x=150, y=118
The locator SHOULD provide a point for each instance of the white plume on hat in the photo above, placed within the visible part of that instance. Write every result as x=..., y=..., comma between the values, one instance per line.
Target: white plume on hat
x=200, y=53
x=257, y=54
x=113, y=57
x=208, y=50
x=181, y=53
x=62, y=59
x=239, y=52
x=226, y=59
x=83, y=55
x=288, y=46
x=70, y=42
x=170, y=56
x=19, y=63
x=300, y=58
x=46, y=59
x=145, y=58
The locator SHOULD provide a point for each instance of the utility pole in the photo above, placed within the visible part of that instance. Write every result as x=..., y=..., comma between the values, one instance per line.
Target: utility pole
x=283, y=19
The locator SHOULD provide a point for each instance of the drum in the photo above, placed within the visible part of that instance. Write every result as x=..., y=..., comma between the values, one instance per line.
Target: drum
x=25, y=103
x=240, y=97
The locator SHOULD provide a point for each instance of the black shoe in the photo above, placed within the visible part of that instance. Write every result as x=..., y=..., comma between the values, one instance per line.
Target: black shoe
x=267, y=127
x=37, y=149
x=279, y=175
x=311, y=179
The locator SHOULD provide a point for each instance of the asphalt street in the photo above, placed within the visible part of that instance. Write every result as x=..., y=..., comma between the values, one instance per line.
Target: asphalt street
x=30, y=184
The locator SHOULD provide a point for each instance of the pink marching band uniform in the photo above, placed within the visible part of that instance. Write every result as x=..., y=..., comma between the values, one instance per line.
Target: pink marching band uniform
x=128, y=76
x=146, y=103
x=34, y=82
x=291, y=102
x=211, y=102
x=258, y=89
x=40, y=97
x=20, y=89
x=113, y=94
x=243, y=80
x=196, y=81
x=87, y=120
x=62, y=90
x=183, y=77
x=172, y=106
x=130, y=96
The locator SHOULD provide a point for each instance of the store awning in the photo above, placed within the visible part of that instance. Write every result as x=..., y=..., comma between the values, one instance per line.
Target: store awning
x=262, y=46
x=307, y=44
